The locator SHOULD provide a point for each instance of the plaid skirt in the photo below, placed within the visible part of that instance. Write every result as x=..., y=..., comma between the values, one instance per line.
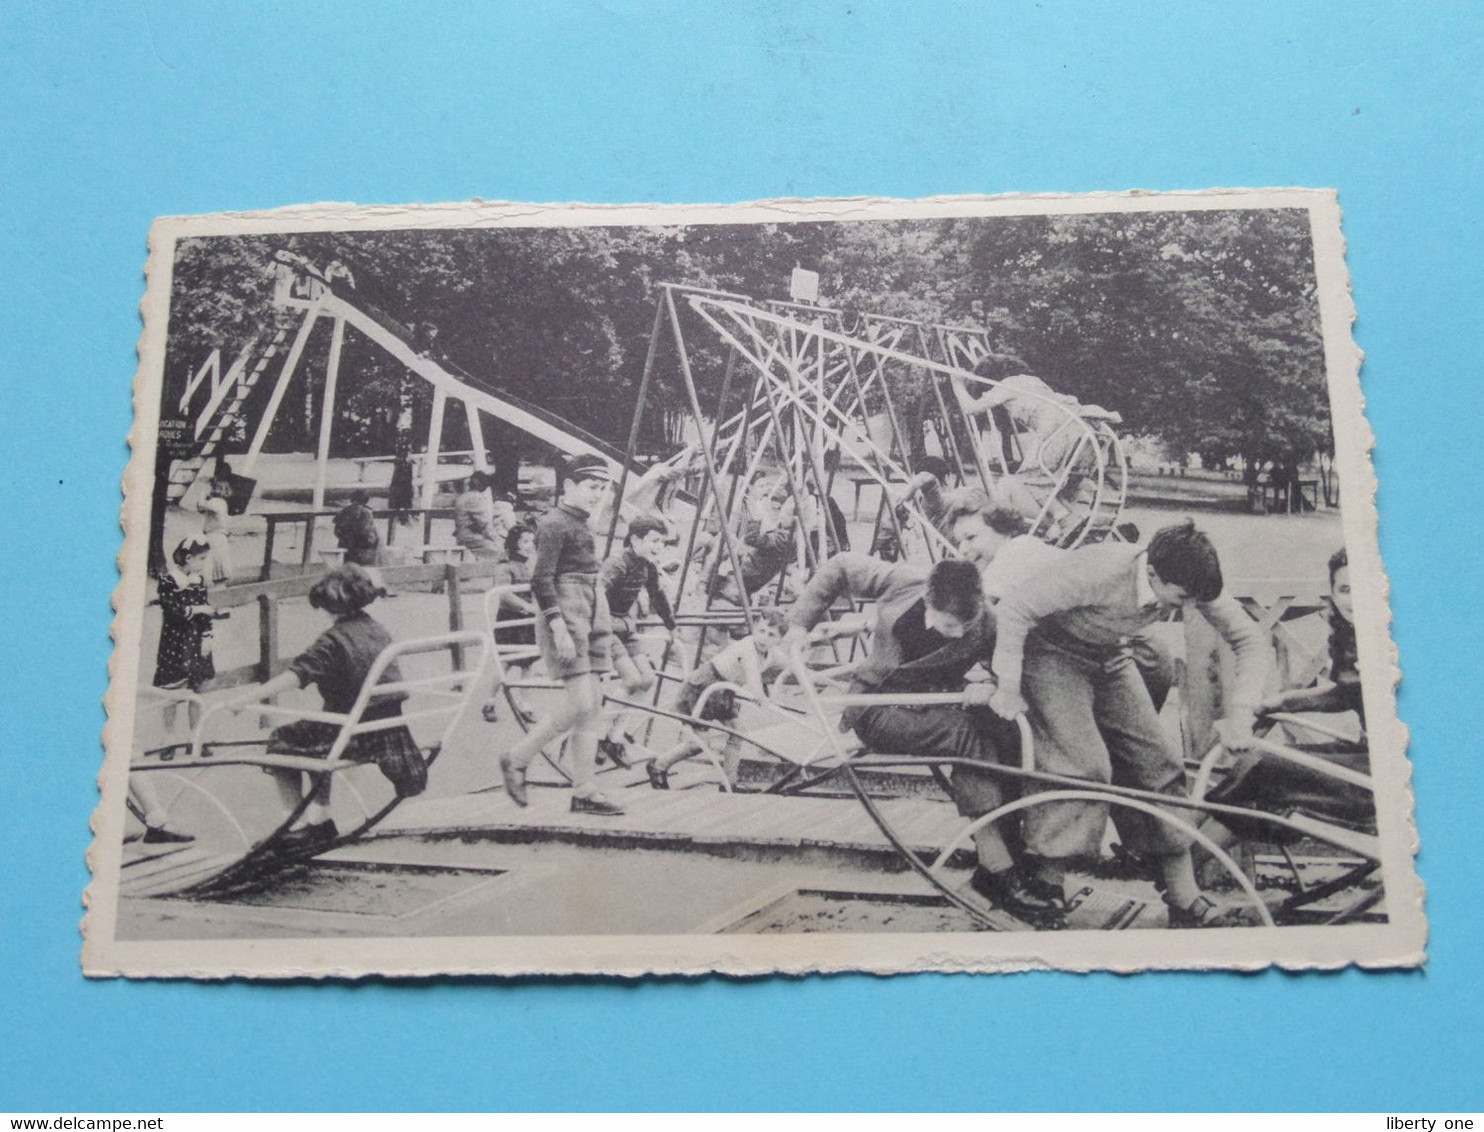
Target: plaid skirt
x=392, y=749
x=1265, y=782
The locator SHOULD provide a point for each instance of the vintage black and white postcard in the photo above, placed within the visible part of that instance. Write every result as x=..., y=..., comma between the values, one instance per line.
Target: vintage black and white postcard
x=955, y=584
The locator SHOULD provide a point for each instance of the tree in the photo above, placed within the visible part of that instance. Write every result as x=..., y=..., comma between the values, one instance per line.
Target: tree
x=1200, y=328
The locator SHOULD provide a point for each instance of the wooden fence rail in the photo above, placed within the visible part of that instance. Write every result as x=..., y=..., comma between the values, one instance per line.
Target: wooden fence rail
x=451, y=577
x=309, y=519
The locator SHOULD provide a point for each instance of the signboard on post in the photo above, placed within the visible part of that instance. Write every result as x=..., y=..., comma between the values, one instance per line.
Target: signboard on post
x=804, y=286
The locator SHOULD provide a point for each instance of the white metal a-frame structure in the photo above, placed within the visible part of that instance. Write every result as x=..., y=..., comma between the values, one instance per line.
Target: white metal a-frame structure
x=301, y=287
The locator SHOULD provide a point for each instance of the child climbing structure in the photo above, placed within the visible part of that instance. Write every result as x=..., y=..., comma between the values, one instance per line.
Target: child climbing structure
x=811, y=393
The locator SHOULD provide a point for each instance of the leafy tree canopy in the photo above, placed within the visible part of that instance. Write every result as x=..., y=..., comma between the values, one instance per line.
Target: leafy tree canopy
x=1201, y=328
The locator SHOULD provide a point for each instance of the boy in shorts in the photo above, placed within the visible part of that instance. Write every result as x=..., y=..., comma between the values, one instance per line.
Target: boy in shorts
x=575, y=634
x=740, y=663
x=632, y=571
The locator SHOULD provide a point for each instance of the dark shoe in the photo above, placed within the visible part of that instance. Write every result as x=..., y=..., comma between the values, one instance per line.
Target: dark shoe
x=515, y=781
x=1203, y=912
x=615, y=752
x=1024, y=897
x=596, y=804
x=159, y=835
x=491, y=711
x=1124, y=865
x=658, y=779
x=308, y=838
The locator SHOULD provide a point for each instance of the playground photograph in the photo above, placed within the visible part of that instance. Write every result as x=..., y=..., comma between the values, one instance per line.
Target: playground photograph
x=957, y=584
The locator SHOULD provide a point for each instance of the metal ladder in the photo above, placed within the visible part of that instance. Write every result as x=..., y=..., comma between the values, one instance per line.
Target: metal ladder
x=185, y=472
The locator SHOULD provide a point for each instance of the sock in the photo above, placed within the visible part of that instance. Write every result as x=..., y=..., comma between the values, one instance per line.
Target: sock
x=524, y=753
x=582, y=750
x=1181, y=887
x=993, y=856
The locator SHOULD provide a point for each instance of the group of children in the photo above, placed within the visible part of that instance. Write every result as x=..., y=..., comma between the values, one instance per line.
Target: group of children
x=1056, y=629
x=1071, y=654
x=586, y=627
x=1065, y=637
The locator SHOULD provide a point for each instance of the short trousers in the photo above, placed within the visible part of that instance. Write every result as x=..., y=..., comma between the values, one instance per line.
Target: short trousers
x=721, y=706
x=626, y=633
x=584, y=607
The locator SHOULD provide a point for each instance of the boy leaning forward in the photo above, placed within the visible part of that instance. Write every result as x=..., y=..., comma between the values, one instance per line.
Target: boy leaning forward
x=1062, y=656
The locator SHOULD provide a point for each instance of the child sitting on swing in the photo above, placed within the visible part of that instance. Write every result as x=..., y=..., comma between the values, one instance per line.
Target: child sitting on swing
x=339, y=662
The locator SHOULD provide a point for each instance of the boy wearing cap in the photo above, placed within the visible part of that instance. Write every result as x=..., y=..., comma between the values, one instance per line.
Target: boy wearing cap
x=575, y=634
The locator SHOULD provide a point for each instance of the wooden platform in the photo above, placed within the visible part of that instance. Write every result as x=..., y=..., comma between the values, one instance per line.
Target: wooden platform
x=726, y=862
x=761, y=826
x=156, y=870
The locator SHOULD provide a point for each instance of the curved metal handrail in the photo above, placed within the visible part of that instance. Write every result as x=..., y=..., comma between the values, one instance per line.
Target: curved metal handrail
x=1066, y=788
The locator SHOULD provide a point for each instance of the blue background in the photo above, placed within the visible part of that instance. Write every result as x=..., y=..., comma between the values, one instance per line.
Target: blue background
x=113, y=114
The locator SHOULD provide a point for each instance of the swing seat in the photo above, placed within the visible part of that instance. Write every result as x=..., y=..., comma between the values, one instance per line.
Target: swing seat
x=231, y=809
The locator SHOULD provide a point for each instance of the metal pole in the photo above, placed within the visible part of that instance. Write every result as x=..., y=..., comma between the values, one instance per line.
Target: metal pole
x=778, y=431
x=327, y=413
x=435, y=443
x=707, y=451
x=860, y=394
x=690, y=546
x=628, y=455
x=476, y=437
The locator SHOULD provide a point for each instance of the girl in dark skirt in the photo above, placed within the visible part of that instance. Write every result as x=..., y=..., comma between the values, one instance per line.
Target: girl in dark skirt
x=338, y=663
x=183, y=662
x=520, y=549
x=1265, y=782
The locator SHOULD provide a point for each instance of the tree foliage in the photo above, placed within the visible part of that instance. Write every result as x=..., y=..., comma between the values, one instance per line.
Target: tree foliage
x=1201, y=328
